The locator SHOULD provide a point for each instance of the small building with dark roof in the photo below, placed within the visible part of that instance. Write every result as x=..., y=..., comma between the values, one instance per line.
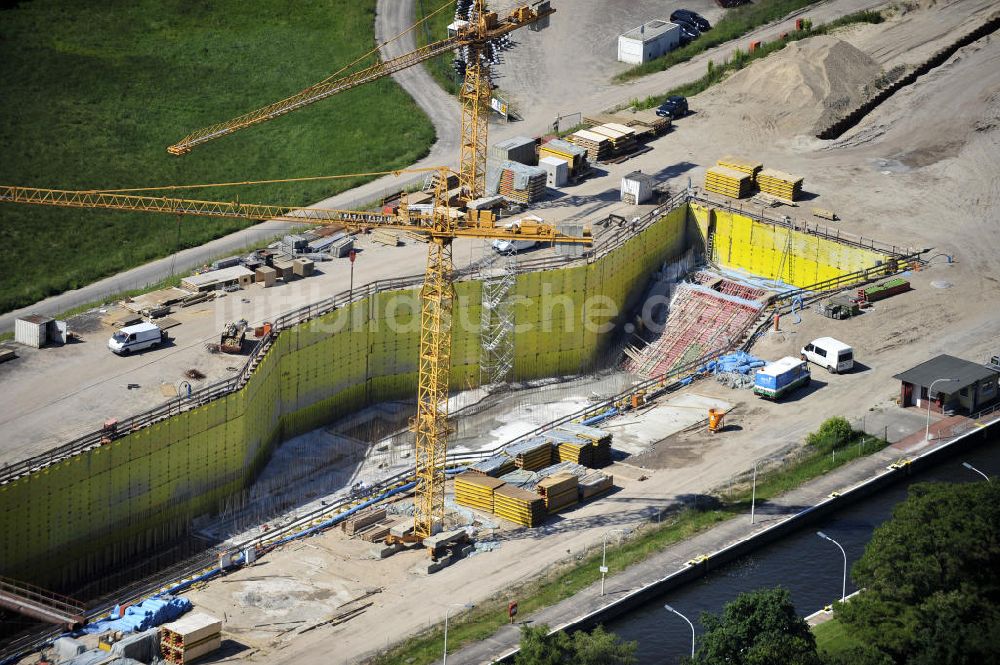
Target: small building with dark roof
x=959, y=385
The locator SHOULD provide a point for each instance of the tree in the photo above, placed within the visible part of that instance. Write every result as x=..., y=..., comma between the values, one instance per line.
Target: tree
x=929, y=577
x=598, y=647
x=757, y=628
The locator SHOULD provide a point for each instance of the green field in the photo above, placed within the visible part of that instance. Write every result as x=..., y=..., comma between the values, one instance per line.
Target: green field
x=833, y=638
x=94, y=92
x=434, y=29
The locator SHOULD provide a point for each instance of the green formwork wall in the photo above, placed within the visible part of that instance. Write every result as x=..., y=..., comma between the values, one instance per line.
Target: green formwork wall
x=95, y=511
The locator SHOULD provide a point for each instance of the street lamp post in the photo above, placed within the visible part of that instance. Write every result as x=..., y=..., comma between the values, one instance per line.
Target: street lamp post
x=843, y=587
x=604, y=555
x=351, y=256
x=468, y=606
x=930, y=391
x=972, y=468
x=753, y=492
x=670, y=609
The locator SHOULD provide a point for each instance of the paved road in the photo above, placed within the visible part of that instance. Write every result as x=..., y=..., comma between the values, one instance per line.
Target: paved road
x=392, y=17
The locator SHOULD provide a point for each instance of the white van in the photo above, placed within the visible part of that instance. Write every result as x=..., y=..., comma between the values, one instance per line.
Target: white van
x=827, y=352
x=136, y=338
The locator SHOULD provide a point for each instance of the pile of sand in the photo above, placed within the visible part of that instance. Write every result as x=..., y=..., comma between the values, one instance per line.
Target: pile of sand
x=799, y=89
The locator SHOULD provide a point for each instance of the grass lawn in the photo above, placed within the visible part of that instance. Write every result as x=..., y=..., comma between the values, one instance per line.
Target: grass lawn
x=435, y=29
x=93, y=93
x=833, y=637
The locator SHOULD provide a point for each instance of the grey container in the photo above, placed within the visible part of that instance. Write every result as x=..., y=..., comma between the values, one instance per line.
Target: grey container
x=520, y=149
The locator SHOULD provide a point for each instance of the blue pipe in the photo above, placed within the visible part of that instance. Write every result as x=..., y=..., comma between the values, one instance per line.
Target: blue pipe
x=600, y=417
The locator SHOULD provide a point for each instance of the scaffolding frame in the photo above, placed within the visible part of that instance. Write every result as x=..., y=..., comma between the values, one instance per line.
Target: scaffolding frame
x=498, y=274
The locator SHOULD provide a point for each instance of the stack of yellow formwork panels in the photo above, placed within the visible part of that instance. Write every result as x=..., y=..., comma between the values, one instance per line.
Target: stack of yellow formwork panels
x=728, y=182
x=781, y=185
x=475, y=490
x=573, y=155
x=518, y=506
x=600, y=454
x=598, y=146
x=559, y=491
x=748, y=166
x=570, y=448
x=531, y=455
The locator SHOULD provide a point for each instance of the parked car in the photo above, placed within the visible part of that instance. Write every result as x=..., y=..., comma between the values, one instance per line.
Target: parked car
x=675, y=107
x=689, y=31
x=699, y=21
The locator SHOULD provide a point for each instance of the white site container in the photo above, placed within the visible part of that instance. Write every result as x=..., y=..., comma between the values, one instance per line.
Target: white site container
x=648, y=42
x=32, y=330
x=637, y=187
x=556, y=171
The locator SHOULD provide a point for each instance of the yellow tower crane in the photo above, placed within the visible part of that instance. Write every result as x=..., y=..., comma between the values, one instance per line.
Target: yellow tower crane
x=477, y=40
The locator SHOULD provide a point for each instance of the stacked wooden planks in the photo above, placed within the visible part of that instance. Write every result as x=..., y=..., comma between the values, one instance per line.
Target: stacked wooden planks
x=728, y=182
x=559, y=491
x=780, y=185
x=532, y=454
x=598, y=147
x=622, y=138
x=190, y=637
x=475, y=490
x=519, y=506
x=495, y=466
x=748, y=166
x=524, y=184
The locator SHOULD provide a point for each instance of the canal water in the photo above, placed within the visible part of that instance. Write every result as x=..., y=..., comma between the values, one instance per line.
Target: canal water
x=808, y=566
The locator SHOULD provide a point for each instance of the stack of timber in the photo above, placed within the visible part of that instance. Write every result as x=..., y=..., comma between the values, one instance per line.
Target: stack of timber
x=728, y=182
x=571, y=448
x=190, y=637
x=524, y=184
x=355, y=523
x=883, y=290
x=780, y=185
x=598, y=438
x=494, y=466
x=573, y=155
x=643, y=122
x=532, y=454
x=518, y=506
x=748, y=166
x=385, y=237
x=598, y=147
x=475, y=490
x=622, y=138
x=559, y=491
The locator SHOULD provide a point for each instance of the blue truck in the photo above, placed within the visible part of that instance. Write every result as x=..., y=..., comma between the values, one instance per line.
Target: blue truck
x=775, y=380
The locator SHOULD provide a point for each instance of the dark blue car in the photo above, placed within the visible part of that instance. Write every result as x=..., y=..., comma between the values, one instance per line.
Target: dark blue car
x=675, y=107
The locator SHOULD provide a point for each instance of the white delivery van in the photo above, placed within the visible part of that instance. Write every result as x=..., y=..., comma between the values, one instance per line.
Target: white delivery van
x=827, y=352
x=136, y=338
